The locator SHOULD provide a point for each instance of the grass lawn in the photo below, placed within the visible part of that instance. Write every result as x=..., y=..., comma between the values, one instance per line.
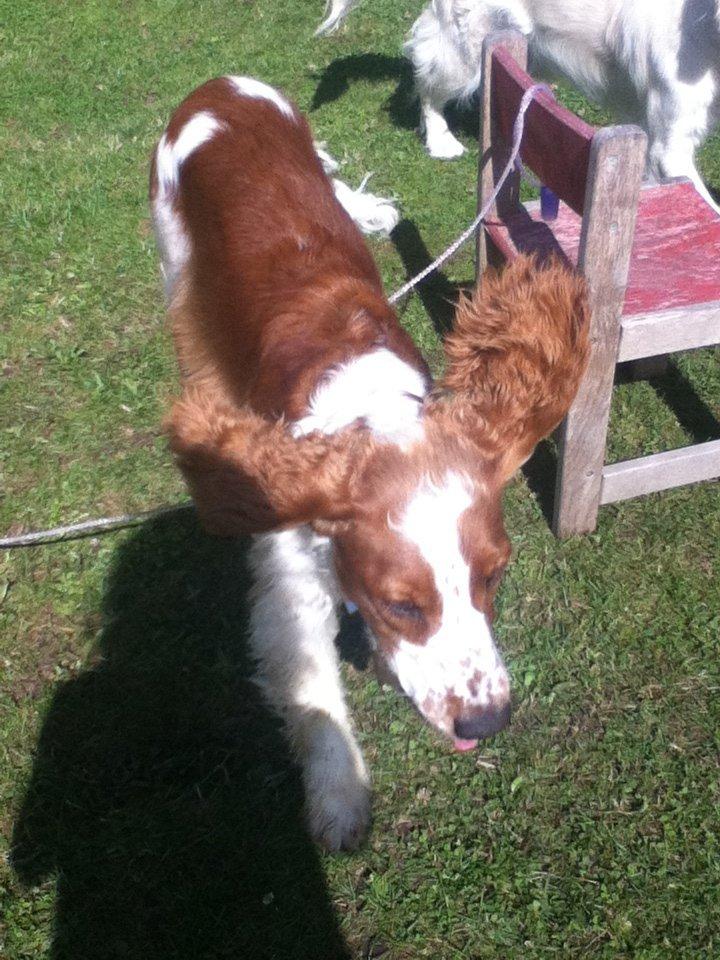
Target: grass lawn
x=148, y=807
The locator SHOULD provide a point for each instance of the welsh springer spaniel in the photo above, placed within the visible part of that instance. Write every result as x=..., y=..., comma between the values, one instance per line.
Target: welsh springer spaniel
x=309, y=419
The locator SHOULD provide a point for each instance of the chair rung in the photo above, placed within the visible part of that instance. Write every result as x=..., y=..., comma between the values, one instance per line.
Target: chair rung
x=661, y=471
x=684, y=328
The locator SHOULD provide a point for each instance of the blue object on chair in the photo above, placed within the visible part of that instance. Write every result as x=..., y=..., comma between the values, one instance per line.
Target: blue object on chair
x=549, y=204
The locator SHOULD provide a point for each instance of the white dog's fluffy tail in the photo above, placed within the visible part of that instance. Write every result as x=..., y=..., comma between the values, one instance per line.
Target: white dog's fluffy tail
x=336, y=11
x=373, y=214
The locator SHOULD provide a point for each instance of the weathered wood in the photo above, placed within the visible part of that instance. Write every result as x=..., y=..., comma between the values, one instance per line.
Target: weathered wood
x=616, y=166
x=519, y=233
x=675, y=254
x=556, y=143
x=493, y=151
x=676, y=251
x=670, y=331
x=673, y=468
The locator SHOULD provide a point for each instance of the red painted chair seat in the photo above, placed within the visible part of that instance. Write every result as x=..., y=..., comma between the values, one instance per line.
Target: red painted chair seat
x=675, y=259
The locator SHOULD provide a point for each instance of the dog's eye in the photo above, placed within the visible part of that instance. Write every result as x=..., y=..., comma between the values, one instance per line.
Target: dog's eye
x=403, y=609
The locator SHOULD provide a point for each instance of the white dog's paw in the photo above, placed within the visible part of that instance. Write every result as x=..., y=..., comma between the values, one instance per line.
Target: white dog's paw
x=444, y=146
x=337, y=789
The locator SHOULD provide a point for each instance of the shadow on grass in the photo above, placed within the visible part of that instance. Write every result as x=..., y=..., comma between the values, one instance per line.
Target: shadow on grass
x=437, y=293
x=336, y=78
x=677, y=392
x=692, y=413
x=162, y=797
x=540, y=472
x=403, y=105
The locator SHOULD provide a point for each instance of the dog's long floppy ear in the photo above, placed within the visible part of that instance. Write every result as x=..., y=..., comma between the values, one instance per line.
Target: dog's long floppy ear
x=516, y=355
x=248, y=474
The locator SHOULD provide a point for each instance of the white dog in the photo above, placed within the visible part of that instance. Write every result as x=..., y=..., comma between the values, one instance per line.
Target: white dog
x=652, y=62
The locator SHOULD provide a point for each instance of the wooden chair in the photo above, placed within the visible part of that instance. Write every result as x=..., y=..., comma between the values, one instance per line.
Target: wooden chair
x=651, y=256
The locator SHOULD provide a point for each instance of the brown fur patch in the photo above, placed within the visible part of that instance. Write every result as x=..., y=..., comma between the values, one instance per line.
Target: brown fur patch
x=248, y=474
x=516, y=356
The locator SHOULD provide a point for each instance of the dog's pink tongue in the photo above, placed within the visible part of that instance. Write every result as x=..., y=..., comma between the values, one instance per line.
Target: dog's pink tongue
x=464, y=744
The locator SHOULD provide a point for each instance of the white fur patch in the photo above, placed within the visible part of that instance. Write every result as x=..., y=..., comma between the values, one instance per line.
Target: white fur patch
x=249, y=87
x=460, y=658
x=293, y=626
x=378, y=387
x=173, y=242
x=170, y=156
x=329, y=163
x=373, y=214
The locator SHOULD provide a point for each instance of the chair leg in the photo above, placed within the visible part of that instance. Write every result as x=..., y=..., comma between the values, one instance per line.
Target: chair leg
x=581, y=457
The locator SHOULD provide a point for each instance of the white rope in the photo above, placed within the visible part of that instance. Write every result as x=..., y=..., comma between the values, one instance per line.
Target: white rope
x=88, y=528
x=518, y=130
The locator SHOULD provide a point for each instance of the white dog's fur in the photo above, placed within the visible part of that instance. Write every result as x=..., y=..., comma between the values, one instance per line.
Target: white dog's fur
x=652, y=62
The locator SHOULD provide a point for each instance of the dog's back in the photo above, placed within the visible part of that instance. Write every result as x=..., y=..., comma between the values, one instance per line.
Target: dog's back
x=254, y=246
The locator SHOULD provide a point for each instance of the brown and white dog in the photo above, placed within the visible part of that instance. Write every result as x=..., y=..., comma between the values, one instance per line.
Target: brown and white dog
x=309, y=419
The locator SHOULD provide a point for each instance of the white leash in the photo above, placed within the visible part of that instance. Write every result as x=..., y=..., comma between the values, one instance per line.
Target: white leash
x=104, y=525
x=518, y=130
x=89, y=528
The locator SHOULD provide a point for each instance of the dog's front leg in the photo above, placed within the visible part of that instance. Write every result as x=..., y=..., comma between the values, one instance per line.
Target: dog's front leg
x=294, y=623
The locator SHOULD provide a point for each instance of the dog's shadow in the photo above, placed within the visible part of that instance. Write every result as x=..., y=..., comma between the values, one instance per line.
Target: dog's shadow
x=402, y=106
x=336, y=78
x=437, y=292
x=162, y=798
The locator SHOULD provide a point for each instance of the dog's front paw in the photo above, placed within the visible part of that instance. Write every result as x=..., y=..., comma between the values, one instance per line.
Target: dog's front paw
x=339, y=817
x=337, y=789
x=444, y=146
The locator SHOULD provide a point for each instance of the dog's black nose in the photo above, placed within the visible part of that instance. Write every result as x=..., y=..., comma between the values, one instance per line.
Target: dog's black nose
x=484, y=724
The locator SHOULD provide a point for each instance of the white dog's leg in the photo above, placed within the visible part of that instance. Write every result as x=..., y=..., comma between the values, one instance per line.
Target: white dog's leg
x=294, y=623
x=445, y=46
x=439, y=141
x=445, y=69
x=671, y=150
x=681, y=113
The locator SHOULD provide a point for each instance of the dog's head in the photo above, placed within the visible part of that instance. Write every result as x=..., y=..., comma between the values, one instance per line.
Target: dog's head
x=418, y=536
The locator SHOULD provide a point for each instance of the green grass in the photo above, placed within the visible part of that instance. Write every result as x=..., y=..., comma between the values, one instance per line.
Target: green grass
x=148, y=799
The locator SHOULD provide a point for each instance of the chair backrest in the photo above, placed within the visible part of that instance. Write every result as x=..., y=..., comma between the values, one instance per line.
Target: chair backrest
x=556, y=143
x=596, y=172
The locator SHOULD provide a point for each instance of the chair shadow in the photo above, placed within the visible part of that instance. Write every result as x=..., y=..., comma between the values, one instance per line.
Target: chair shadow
x=437, y=294
x=679, y=395
x=540, y=472
x=163, y=799
x=693, y=415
